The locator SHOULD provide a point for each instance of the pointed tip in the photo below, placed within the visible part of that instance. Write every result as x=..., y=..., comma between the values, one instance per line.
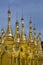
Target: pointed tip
x=17, y=17
x=8, y=5
x=22, y=18
x=9, y=10
x=39, y=33
x=34, y=27
x=17, y=22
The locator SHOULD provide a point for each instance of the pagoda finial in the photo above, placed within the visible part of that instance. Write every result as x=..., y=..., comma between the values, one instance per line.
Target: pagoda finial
x=30, y=28
x=22, y=15
x=34, y=32
x=39, y=36
x=23, y=37
x=17, y=34
x=9, y=31
x=9, y=12
x=34, y=27
x=30, y=25
x=30, y=20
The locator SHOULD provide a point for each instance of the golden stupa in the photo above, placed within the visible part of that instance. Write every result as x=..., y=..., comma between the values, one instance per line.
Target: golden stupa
x=19, y=49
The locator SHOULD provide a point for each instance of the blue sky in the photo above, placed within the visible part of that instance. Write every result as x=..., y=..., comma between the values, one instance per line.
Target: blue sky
x=31, y=8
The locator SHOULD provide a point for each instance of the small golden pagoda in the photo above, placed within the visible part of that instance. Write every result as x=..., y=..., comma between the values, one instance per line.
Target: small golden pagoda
x=18, y=49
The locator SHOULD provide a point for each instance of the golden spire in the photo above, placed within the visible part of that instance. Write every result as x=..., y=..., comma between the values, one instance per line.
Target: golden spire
x=9, y=32
x=39, y=37
x=9, y=40
x=35, y=35
x=23, y=35
x=34, y=32
x=39, y=44
x=17, y=34
x=17, y=27
x=17, y=23
x=22, y=20
x=30, y=29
